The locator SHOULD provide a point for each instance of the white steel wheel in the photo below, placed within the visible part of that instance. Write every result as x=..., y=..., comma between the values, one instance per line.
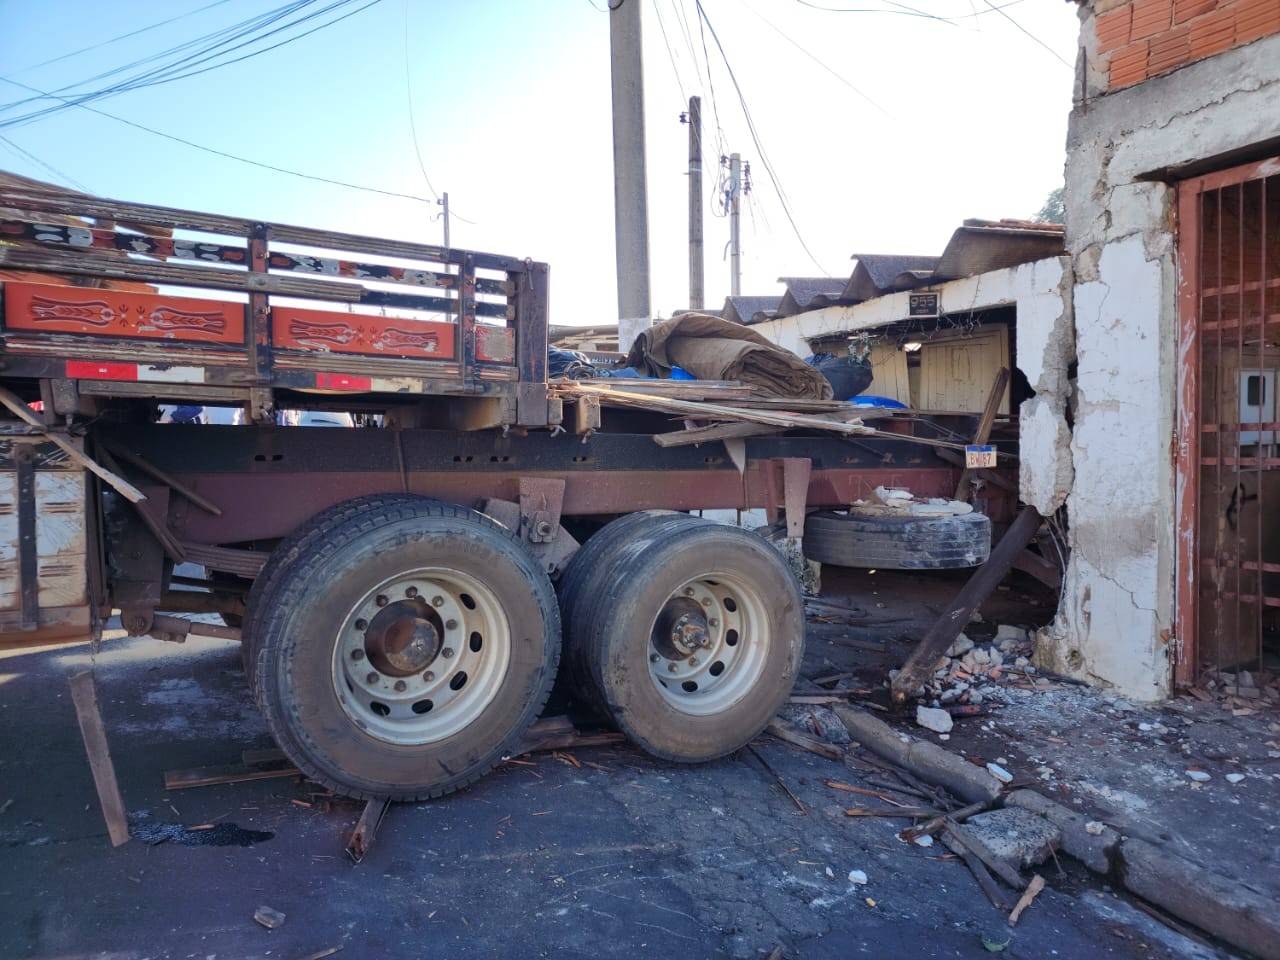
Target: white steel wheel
x=406, y=651
x=709, y=644
x=695, y=632
x=421, y=656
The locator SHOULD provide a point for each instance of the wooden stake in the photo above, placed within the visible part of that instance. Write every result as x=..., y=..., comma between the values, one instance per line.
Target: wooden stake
x=983, y=433
x=1033, y=888
x=85, y=697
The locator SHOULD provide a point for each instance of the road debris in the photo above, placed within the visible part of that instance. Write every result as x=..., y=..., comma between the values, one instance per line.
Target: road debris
x=1033, y=888
x=931, y=718
x=269, y=917
x=857, y=877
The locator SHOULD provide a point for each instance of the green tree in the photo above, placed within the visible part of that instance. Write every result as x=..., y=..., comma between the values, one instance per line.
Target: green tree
x=1053, y=210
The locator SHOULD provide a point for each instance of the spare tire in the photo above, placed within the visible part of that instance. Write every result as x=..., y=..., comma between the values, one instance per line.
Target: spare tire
x=897, y=543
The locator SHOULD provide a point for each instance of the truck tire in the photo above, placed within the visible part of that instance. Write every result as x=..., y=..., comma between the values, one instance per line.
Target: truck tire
x=407, y=651
x=695, y=637
x=897, y=543
x=579, y=580
x=286, y=551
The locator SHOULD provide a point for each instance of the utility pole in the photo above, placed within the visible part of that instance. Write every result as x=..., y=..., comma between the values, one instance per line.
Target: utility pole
x=735, y=236
x=695, y=204
x=630, y=202
x=444, y=203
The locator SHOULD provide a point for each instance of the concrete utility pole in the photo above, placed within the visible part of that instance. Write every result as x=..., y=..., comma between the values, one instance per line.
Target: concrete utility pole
x=444, y=203
x=630, y=201
x=695, y=204
x=735, y=236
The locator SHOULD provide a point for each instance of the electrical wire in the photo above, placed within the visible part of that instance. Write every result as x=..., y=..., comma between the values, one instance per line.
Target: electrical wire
x=123, y=36
x=904, y=10
x=684, y=97
x=228, y=156
x=40, y=163
x=185, y=69
x=1028, y=33
x=755, y=138
x=808, y=53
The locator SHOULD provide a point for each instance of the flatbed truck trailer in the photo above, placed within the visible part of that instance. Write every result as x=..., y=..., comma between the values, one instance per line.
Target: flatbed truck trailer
x=405, y=592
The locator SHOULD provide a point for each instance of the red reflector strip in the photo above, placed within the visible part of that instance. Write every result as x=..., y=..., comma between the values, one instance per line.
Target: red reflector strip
x=342, y=381
x=91, y=370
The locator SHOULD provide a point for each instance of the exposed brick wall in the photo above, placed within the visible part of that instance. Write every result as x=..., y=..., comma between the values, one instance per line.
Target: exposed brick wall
x=1144, y=38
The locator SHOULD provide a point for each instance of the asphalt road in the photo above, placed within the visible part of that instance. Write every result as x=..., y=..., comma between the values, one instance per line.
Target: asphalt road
x=604, y=853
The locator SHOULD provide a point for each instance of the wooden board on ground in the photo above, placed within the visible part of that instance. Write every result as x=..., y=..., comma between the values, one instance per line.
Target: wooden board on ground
x=85, y=697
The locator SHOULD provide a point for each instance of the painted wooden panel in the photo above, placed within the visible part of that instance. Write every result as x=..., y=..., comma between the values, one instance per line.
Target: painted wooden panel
x=495, y=344
x=49, y=308
x=60, y=540
x=329, y=332
x=956, y=374
x=889, y=369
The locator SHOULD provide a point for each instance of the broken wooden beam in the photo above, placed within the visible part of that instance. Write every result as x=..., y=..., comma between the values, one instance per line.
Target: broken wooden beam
x=920, y=665
x=85, y=697
x=983, y=433
x=785, y=732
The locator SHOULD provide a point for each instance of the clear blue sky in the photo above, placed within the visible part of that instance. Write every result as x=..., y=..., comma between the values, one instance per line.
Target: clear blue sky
x=884, y=129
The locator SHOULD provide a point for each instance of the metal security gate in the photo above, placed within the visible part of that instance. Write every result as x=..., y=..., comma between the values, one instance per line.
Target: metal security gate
x=1228, y=451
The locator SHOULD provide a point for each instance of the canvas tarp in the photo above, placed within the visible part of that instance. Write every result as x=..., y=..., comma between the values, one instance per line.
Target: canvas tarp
x=711, y=348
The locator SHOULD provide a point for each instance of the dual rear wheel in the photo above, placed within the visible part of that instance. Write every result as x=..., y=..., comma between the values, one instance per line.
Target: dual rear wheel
x=400, y=647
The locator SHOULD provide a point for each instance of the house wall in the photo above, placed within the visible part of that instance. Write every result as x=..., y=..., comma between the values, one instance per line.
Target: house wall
x=1116, y=618
x=1040, y=292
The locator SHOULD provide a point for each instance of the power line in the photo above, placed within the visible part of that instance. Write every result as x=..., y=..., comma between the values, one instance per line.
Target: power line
x=175, y=71
x=684, y=97
x=903, y=11
x=812, y=57
x=123, y=36
x=40, y=163
x=1024, y=30
x=224, y=154
x=755, y=138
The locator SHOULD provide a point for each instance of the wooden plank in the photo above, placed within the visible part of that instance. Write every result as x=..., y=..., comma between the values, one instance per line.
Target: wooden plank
x=150, y=271
x=947, y=627
x=719, y=431
x=983, y=433
x=228, y=773
x=85, y=697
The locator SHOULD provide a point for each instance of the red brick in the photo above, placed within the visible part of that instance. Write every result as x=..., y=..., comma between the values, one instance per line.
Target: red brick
x=1169, y=50
x=1184, y=10
x=1256, y=19
x=1150, y=17
x=1128, y=66
x=1213, y=33
x=1113, y=29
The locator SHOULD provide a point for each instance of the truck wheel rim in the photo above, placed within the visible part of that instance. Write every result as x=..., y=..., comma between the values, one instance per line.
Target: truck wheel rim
x=709, y=644
x=421, y=656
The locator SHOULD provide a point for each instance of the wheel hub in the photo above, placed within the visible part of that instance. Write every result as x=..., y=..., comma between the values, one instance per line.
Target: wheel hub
x=681, y=629
x=404, y=638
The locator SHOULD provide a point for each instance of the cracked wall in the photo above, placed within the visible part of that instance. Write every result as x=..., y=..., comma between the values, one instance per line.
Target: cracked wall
x=1116, y=616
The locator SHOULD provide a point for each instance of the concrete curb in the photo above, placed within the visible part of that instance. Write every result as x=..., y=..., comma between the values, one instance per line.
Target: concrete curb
x=1211, y=901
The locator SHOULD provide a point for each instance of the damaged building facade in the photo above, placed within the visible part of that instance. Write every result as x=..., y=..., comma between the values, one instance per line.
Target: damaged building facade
x=1150, y=346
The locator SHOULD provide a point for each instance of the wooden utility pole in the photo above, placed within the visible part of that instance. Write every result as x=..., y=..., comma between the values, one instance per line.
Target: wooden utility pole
x=630, y=201
x=735, y=236
x=695, y=204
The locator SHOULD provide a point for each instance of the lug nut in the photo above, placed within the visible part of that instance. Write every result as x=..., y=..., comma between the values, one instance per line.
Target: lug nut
x=654, y=658
x=447, y=652
x=401, y=686
x=428, y=676
x=371, y=677
x=713, y=622
x=437, y=601
x=688, y=591
x=706, y=601
x=451, y=624
x=693, y=661
x=380, y=600
x=671, y=668
x=411, y=592
x=362, y=624
x=357, y=655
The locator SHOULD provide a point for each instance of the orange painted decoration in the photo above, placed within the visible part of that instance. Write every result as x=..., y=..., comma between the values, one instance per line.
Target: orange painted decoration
x=293, y=328
x=50, y=308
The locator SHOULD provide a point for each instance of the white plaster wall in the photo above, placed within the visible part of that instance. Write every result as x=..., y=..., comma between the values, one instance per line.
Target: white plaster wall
x=1117, y=611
